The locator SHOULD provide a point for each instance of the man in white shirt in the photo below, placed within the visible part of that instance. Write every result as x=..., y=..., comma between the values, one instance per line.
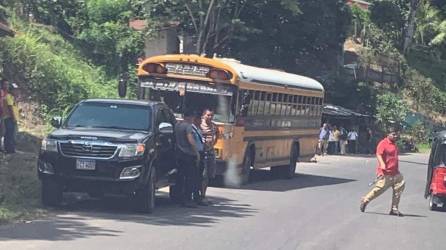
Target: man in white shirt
x=352, y=138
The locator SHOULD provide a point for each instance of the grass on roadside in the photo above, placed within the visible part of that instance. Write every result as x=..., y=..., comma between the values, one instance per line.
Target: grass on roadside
x=424, y=147
x=19, y=185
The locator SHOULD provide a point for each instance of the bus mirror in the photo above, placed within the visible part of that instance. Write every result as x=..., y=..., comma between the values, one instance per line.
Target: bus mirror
x=122, y=88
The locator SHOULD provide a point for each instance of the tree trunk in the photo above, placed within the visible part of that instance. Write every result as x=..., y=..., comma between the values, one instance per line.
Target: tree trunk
x=408, y=36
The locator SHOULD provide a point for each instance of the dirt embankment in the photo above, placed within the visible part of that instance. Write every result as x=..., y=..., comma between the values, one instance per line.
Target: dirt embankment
x=19, y=185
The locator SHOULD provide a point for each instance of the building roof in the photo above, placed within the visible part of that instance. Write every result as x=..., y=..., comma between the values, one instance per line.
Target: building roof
x=362, y=4
x=340, y=112
x=271, y=76
x=141, y=24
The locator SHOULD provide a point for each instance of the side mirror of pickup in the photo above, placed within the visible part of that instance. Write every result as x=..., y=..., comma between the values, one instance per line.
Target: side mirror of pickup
x=56, y=121
x=165, y=128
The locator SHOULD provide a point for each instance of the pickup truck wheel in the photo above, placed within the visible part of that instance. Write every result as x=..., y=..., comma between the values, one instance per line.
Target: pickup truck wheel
x=145, y=197
x=51, y=192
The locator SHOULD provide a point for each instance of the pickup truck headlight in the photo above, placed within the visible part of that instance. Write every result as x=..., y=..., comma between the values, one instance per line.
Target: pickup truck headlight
x=132, y=150
x=49, y=145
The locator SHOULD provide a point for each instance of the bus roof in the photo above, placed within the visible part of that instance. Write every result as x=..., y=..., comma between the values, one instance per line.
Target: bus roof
x=271, y=76
x=244, y=72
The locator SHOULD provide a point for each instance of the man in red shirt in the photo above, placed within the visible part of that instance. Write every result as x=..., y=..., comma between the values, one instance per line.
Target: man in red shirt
x=388, y=174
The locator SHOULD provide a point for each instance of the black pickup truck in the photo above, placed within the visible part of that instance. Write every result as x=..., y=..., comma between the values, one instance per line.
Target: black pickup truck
x=108, y=146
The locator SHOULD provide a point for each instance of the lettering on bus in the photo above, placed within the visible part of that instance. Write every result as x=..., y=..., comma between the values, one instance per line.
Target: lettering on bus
x=165, y=85
x=187, y=69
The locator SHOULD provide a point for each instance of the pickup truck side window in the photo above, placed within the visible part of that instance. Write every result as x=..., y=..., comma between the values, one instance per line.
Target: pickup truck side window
x=161, y=117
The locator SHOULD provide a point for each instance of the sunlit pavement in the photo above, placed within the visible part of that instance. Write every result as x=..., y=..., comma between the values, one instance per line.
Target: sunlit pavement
x=318, y=209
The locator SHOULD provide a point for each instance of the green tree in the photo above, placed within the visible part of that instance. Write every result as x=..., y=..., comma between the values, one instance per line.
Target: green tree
x=293, y=40
x=213, y=23
x=390, y=110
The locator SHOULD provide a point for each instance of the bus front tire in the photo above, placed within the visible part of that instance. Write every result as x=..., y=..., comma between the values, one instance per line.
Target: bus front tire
x=246, y=168
x=287, y=171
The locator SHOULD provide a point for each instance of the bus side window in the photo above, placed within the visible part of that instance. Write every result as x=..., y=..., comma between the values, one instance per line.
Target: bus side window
x=313, y=106
x=261, y=107
x=245, y=100
x=295, y=106
x=252, y=103
x=279, y=104
x=268, y=104
x=284, y=105
x=273, y=104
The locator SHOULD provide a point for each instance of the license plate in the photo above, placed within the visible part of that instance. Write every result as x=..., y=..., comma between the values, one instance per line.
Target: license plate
x=85, y=164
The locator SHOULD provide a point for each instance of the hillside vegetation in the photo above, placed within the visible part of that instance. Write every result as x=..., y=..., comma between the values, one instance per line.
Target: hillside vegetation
x=51, y=70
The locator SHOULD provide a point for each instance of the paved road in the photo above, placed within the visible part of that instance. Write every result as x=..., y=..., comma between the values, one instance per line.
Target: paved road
x=318, y=209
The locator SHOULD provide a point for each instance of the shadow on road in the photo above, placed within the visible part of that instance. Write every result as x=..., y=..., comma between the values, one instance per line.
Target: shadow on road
x=405, y=215
x=265, y=180
x=166, y=213
x=59, y=228
x=79, y=217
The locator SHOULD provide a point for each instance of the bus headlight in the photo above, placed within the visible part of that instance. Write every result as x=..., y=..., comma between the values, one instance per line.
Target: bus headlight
x=49, y=145
x=132, y=150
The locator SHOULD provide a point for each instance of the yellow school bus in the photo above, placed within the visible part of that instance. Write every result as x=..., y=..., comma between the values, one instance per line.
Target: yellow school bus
x=267, y=118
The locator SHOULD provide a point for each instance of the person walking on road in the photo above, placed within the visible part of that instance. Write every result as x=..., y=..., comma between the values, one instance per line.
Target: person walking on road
x=388, y=174
x=210, y=133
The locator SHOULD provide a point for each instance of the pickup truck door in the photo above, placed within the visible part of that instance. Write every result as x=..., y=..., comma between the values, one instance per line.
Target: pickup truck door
x=165, y=144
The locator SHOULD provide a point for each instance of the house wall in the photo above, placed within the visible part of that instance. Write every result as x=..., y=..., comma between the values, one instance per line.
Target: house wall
x=165, y=42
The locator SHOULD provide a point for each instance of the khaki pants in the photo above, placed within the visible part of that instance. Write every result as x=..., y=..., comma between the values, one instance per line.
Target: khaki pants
x=382, y=184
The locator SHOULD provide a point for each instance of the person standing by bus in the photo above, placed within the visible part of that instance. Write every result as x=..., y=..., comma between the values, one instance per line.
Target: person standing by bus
x=10, y=115
x=323, y=139
x=188, y=158
x=210, y=133
x=388, y=174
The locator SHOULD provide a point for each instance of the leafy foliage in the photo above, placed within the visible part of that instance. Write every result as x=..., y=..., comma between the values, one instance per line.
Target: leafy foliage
x=53, y=73
x=390, y=110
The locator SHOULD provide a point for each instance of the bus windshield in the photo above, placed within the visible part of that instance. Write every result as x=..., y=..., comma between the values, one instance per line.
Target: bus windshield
x=195, y=95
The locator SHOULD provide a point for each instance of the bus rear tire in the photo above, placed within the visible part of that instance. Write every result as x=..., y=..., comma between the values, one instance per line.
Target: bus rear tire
x=291, y=169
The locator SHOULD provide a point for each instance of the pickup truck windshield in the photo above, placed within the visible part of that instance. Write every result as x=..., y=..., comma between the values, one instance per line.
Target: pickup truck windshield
x=110, y=115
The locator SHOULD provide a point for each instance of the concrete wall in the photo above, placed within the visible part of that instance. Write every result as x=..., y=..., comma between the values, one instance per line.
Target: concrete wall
x=166, y=42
